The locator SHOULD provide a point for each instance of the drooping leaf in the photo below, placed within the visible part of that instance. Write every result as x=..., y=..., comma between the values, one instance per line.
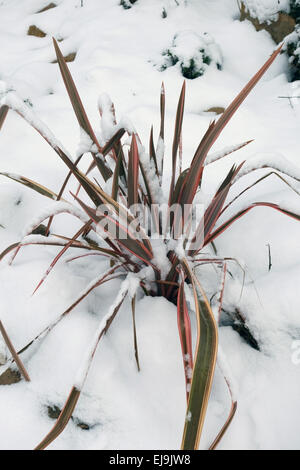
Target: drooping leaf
x=72, y=400
x=255, y=183
x=225, y=427
x=211, y=158
x=242, y=212
x=99, y=280
x=3, y=113
x=64, y=249
x=31, y=184
x=8, y=250
x=14, y=353
x=29, y=116
x=204, y=365
x=135, y=343
x=62, y=420
x=45, y=242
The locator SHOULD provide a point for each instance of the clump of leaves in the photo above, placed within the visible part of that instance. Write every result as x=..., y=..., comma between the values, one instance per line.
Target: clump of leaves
x=193, y=53
x=143, y=232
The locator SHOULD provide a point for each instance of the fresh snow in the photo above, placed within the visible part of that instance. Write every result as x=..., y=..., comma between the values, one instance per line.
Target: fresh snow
x=116, y=51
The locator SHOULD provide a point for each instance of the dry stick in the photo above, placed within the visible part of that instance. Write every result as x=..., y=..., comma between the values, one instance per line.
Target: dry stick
x=14, y=353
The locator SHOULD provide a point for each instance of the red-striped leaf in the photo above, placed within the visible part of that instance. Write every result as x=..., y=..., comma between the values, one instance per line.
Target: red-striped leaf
x=152, y=152
x=57, y=257
x=110, y=145
x=214, y=130
x=135, y=343
x=204, y=365
x=162, y=111
x=214, y=210
x=74, y=96
x=14, y=353
x=176, y=139
x=225, y=427
x=32, y=185
x=133, y=173
x=124, y=237
x=185, y=333
x=62, y=420
x=80, y=111
x=61, y=191
x=242, y=212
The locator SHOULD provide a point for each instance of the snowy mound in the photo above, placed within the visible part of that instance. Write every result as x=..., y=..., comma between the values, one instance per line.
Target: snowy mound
x=193, y=53
x=266, y=10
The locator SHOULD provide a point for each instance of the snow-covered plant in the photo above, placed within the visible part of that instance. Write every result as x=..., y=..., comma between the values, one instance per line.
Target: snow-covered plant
x=292, y=48
x=150, y=242
x=126, y=4
x=295, y=9
x=193, y=53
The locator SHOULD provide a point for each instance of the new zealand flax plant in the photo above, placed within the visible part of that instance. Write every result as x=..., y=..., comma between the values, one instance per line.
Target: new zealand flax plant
x=151, y=240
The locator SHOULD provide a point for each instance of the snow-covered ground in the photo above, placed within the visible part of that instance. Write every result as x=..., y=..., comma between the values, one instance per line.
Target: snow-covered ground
x=117, y=53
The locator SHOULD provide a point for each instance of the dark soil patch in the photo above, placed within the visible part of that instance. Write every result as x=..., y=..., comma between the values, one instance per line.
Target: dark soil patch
x=10, y=377
x=48, y=7
x=35, y=31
